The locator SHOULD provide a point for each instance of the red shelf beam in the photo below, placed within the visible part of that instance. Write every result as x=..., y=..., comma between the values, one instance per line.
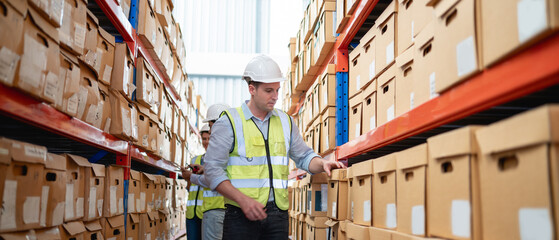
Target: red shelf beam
x=118, y=19
x=163, y=76
x=140, y=155
x=24, y=108
x=534, y=69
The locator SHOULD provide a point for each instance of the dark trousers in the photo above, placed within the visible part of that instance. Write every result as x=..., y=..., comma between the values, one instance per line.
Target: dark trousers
x=237, y=227
x=194, y=228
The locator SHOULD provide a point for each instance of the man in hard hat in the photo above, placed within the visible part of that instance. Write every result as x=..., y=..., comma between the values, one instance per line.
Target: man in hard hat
x=247, y=162
x=213, y=205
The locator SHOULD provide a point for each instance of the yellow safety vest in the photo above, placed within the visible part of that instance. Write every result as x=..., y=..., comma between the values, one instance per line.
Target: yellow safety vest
x=195, y=199
x=255, y=164
x=213, y=200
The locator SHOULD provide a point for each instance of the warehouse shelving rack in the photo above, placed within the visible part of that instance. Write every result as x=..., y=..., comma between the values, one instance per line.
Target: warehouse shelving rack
x=523, y=81
x=65, y=130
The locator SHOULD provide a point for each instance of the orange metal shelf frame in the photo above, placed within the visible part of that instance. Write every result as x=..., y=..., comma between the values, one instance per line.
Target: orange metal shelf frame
x=148, y=158
x=531, y=70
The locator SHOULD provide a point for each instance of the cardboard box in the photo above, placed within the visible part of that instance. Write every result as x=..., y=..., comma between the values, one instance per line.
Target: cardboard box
x=40, y=62
x=72, y=230
x=458, y=54
x=337, y=195
x=309, y=111
x=518, y=175
x=94, y=192
x=147, y=26
x=105, y=56
x=76, y=168
x=302, y=227
x=324, y=34
x=384, y=192
x=316, y=95
x=90, y=43
x=342, y=18
x=153, y=130
x=114, y=192
x=73, y=29
x=316, y=227
x=328, y=132
x=113, y=227
x=327, y=88
x=362, y=192
x=88, y=95
x=164, y=12
x=165, y=148
x=148, y=224
x=411, y=165
x=176, y=120
x=317, y=135
x=169, y=185
x=156, y=97
x=334, y=230
x=355, y=113
x=143, y=123
x=11, y=43
x=144, y=82
x=160, y=139
x=425, y=74
x=164, y=226
x=159, y=191
x=179, y=194
x=368, y=48
x=93, y=230
x=405, y=92
x=53, y=192
x=453, y=185
x=369, y=106
x=350, y=198
x=380, y=234
x=134, y=191
x=386, y=38
x=506, y=32
x=355, y=68
x=103, y=118
x=121, y=112
x=175, y=223
x=69, y=74
x=357, y=232
x=317, y=199
x=123, y=71
x=52, y=11
x=133, y=226
x=386, y=95
x=413, y=16
x=147, y=194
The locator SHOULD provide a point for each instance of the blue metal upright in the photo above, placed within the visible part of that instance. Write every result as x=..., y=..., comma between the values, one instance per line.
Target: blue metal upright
x=341, y=108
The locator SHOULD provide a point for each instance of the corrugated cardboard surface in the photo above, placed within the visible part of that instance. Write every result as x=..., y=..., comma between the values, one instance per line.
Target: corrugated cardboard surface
x=94, y=192
x=123, y=71
x=144, y=82
x=369, y=105
x=11, y=43
x=70, y=74
x=75, y=187
x=357, y=232
x=105, y=56
x=386, y=38
x=355, y=112
x=90, y=43
x=405, y=70
x=426, y=73
x=368, y=61
x=328, y=88
x=355, y=81
x=134, y=189
x=362, y=192
x=88, y=95
x=380, y=234
x=114, y=191
x=328, y=140
x=350, y=203
x=412, y=18
x=386, y=95
x=113, y=227
x=410, y=190
x=384, y=192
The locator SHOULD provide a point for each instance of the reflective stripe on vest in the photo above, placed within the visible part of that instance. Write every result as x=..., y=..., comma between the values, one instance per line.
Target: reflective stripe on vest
x=213, y=200
x=195, y=198
x=248, y=167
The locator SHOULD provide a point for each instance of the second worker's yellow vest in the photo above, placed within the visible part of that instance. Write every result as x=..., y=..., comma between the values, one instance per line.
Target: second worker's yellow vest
x=195, y=198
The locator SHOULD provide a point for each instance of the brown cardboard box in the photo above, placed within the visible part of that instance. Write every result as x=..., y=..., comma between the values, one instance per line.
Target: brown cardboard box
x=165, y=148
x=133, y=226
x=519, y=175
x=159, y=191
x=169, y=185
x=148, y=225
x=53, y=192
x=357, y=232
x=114, y=192
x=134, y=192
x=103, y=118
x=156, y=97
x=164, y=12
x=309, y=112
x=164, y=226
x=413, y=16
x=317, y=135
x=386, y=95
x=182, y=127
x=153, y=130
x=355, y=113
x=327, y=88
x=147, y=194
x=70, y=75
x=144, y=82
x=94, y=192
x=93, y=230
x=410, y=190
x=384, y=192
x=11, y=43
x=90, y=43
x=176, y=119
x=143, y=123
x=328, y=132
x=350, y=198
x=316, y=228
x=175, y=222
x=324, y=35
x=453, y=206
x=160, y=139
x=302, y=227
x=121, y=112
x=40, y=62
x=368, y=60
x=386, y=38
x=457, y=38
x=506, y=32
x=304, y=194
x=362, y=192
x=105, y=56
x=355, y=69
x=72, y=230
x=405, y=70
x=88, y=95
x=380, y=234
x=72, y=30
x=159, y=42
x=342, y=18
x=425, y=76
x=334, y=231
x=310, y=137
x=317, y=200
x=75, y=187
x=403, y=236
x=337, y=195
x=113, y=227
x=52, y=11
x=123, y=75
x=292, y=49
x=178, y=194
x=316, y=95
x=369, y=106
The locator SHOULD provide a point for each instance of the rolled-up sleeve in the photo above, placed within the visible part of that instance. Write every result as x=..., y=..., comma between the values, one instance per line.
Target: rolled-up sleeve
x=199, y=180
x=217, y=154
x=299, y=151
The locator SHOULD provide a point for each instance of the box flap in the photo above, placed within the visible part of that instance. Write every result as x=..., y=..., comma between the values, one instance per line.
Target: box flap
x=26, y=152
x=385, y=163
x=386, y=76
x=386, y=14
x=302, y=218
x=331, y=222
x=330, y=112
x=104, y=90
x=406, y=57
x=356, y=100
x=317, y=222
x=338, y=175
x=454, y=143
x=48, y=233
x=81, y=161
x=69, y=56
x=425, y=36
x=143, y=110
x=93, y=226
x=20, y=6
x=412, y=157
x=116, y=222
x=381, y=234
x=343, y=225
x=533, y=127
x=149, y=176
x=134, y=218
x=98, y=170
x=19, y=235
x=153, y=216
x=93, y=17
x=74, y=228
x=56, y=162
x=363, y=168
x=43, y=24
x=107, y=36
x=135, y=175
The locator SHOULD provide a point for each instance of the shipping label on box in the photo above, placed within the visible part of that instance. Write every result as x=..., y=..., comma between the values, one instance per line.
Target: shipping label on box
x=75, y=187
x=384, y=192
x=114, y=192
x=94, y=192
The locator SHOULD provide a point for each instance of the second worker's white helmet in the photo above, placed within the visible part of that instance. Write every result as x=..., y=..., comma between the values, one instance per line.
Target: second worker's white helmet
x=262, y=69
x=214, y=111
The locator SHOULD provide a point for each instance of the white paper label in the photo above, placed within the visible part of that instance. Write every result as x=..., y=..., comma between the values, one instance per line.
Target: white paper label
x=126, y=127
x=138, y=206
x=372, y=70
x=324, y=197
x=334, y=209
x=357, y=130
x=69, y=210
x=72, y=107
x=372, y=123
x=532, y=18
x=390, y=53
x=466, y=56
x=432, y=86
x=35, y=151
x=113, y=238
x=100, y=207
x=31, y=208
x=367, y=211
x=131, y=201
x=358, y=81
x=4, y=151
x=92, y=202
x=120, y=205
x=79, y=35
x=8, y=213
x=107, y=73
x=58, y=214
x=391, y=215
x=418, y=220
x=142, y=201
x=460, y=218
x=44, y=204
x=82, y=101
x=112, y=200
x=79, y=207
x=412, y=30
x=148, y=236
x=535, y=223
x=390, y=113
x=327, y=141
x=8, y=64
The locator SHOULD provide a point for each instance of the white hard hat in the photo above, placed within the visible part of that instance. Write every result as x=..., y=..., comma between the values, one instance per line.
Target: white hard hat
x=205, y=128
x=214, y=111
x=262, y=69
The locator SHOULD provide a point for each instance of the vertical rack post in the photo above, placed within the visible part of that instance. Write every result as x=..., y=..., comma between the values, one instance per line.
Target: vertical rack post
x=341, y=96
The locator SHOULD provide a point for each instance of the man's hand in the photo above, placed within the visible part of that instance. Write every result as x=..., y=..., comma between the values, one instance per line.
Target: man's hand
x=186, y=174
x=329, y=165
x=319, y=165
x=197, y=168
x=252, y=209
